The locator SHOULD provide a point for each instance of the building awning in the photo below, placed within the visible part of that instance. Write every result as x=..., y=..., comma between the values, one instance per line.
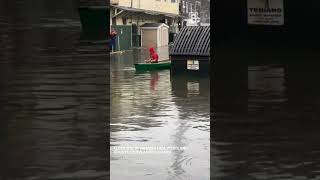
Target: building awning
x=128, y=11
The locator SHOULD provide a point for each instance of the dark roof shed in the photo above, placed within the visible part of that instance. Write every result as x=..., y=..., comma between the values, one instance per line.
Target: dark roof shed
x=192, y=40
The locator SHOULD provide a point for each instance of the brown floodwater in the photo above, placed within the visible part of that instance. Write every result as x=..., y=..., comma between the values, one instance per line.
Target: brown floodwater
x=54, y=94
x=152, y=109
x=270, y=130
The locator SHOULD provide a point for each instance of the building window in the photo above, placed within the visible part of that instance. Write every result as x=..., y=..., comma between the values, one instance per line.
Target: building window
x=187, y=7
x=173, y=1
x=124, y=21
x=114, y=21
x=183, y=7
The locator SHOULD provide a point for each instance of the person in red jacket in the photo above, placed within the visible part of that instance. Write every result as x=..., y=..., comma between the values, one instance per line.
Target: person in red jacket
x=154, y=57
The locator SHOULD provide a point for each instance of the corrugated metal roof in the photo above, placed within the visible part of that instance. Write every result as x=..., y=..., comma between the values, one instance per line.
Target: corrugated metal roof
x=192, y=40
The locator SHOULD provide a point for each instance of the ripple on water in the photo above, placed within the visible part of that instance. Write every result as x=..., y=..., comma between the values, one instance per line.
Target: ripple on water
x=146, y=111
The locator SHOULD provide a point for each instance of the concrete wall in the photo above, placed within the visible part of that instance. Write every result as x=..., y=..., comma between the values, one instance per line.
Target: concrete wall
x=136, y=20
x=153, y=5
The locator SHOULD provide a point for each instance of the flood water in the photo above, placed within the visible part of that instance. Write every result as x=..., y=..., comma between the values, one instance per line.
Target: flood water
x=150, y=109
x=54, y=114
x=274, y=133
x=54, y=94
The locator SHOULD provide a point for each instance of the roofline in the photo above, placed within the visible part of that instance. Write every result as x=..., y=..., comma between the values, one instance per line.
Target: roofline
x=94, y=7
x=147, y=11
x=141, y=27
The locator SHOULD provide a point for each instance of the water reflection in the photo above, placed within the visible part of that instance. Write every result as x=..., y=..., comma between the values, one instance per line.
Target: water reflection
x=276, y=137
x=150, y=109
x=55, y=95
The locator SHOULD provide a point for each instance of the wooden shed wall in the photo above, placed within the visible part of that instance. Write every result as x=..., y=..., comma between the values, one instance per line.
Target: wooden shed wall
x=149, y=38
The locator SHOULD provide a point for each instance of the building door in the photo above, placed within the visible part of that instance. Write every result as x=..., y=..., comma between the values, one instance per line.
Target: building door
x=149, y=38
x=124, y=37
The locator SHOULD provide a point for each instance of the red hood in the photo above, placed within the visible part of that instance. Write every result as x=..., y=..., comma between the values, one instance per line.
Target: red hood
x=151, y=50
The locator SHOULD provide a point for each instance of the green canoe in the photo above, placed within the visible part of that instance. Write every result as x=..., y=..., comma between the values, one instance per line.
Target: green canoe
x=152, y=66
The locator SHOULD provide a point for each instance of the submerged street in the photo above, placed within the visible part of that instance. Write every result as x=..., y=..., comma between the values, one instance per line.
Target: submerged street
x=271, y=131
x=54, y=97
x=62, y=93
x=149, y=109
